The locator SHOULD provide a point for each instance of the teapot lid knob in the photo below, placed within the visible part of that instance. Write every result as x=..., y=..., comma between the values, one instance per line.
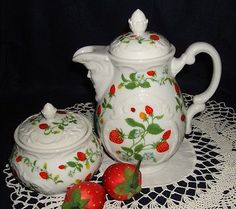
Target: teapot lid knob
x=49, y=111
x=138, y=22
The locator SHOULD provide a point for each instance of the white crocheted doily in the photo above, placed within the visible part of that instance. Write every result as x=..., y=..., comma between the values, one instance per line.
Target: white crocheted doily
x=208, y=183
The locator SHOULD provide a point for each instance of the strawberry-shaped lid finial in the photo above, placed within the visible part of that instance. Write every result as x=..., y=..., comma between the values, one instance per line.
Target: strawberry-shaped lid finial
x=49, y=111
x=138, y=22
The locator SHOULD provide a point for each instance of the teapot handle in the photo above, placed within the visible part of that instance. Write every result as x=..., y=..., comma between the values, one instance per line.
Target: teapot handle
x=188, y=57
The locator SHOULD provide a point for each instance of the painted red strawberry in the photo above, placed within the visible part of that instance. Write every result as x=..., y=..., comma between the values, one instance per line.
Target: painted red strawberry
x=61, y=167
x=18, y=158
x=122, y=180
x=177, y=88
x=99, y=110
x=154, y=37
x=182, y=118
x=44, y=175
x=116, y=136
x=162, y=147
x=148, y=110
x=81, y=156
x=132, y=109
x=43, y=126
x=166, y=135
x=112, y=90
x=85, y=195
x=151, y=72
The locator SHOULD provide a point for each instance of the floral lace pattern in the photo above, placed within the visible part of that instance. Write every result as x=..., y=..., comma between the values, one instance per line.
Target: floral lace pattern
x=210, y=185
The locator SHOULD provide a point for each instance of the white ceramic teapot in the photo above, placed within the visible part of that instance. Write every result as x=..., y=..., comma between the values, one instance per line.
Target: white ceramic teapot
x=141, y=112
x=55, y=149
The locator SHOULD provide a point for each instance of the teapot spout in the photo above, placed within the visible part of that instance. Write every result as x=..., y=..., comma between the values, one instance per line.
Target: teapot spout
x=99, y=65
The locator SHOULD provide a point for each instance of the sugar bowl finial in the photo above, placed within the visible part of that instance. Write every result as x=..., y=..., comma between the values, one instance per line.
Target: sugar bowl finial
x=49, y=111
x=138, y=22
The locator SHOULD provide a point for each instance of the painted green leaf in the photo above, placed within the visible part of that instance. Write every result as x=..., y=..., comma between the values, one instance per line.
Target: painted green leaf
x=138, y=148
x=71, y=164
x=59, y=181
x=105, y=101
x=170, y=80
x=103, y=105
x=128, y=150
x=178, y=101
x=132, y=76
x=26, y=160
x=45, y=166
x=123, y=78
x=132, y=134
x=154, y=129
x=56, y=178
x=61, y=127
x=109, y=106
x=92, y=160
x=131, y=122
x=137, y=156
x=158, y=117
x=145, y=84
x=177, y=107
x=131, y=85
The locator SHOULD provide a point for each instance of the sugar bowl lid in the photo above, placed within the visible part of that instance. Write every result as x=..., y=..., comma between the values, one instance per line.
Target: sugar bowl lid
x=52, y=129
x=139, y=44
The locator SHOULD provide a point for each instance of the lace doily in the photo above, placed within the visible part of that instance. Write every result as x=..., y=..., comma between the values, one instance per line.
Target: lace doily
x=211, y=184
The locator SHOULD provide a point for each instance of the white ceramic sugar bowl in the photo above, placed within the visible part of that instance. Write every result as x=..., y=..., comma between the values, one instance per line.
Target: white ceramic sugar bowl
x=55, y=149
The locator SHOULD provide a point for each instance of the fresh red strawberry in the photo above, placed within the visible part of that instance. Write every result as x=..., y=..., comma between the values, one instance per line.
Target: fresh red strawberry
x=162, y=147
x=85, y=195
x=116, y=136
x=122, y=180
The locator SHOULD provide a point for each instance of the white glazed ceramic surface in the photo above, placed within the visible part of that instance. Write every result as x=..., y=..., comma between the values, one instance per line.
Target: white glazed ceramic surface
x=141, y=112
x=55, y=149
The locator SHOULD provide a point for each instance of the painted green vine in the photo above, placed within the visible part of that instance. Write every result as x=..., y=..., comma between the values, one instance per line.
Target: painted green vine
x=81, y=160
x=128, y=37
x=42, y=171
x=136, y=80
x=58, y=126
x=139, y=130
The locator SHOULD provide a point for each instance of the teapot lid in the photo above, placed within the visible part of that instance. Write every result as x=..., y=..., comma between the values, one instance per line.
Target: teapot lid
x=52, y=129
x=139, y=44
